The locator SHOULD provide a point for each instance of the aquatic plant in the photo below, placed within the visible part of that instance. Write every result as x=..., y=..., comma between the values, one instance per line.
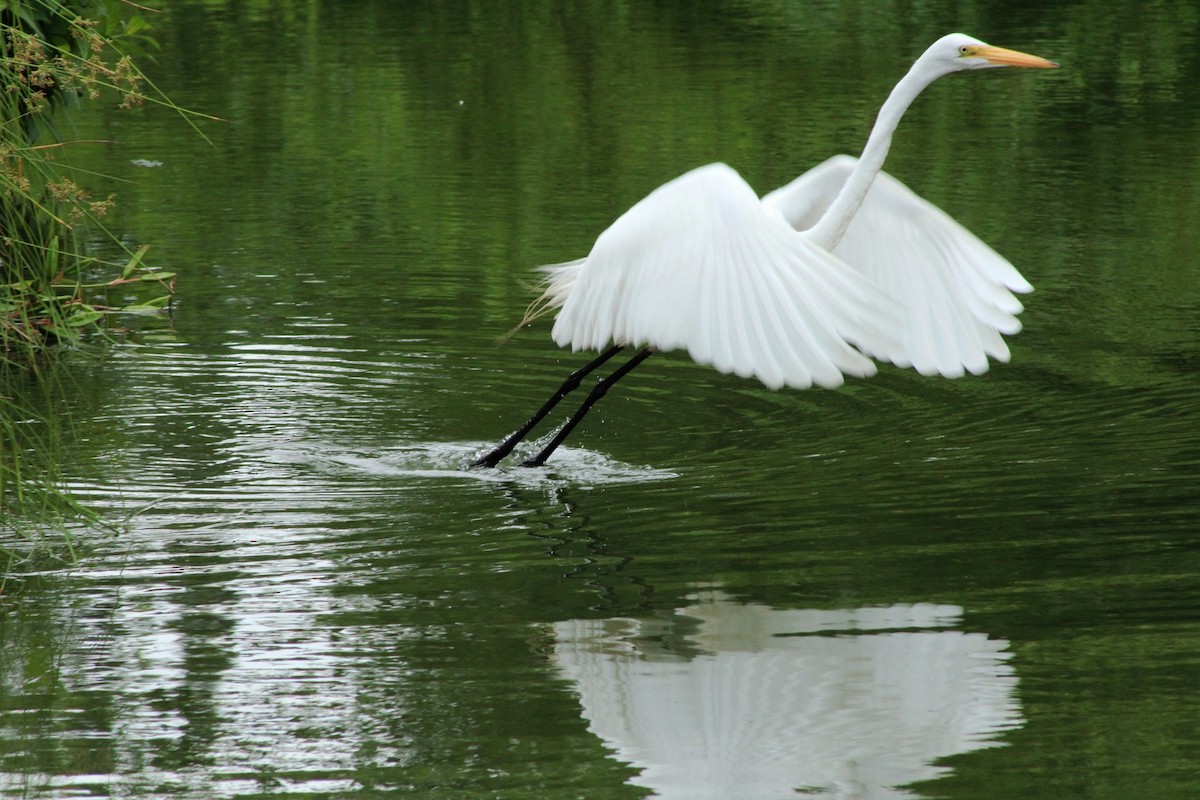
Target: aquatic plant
x=60, y=266
x=56, y=255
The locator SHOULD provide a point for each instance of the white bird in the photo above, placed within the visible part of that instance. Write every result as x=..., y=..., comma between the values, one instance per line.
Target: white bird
x=802, y=287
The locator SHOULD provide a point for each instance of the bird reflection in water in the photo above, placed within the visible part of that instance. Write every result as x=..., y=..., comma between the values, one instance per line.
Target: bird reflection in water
x=730, y=700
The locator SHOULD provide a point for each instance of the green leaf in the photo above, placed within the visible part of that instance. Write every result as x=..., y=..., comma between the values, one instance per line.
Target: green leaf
x=135, y=25
x=153, y=304
x=82, y=318
x=135, y=262
x=52, y=256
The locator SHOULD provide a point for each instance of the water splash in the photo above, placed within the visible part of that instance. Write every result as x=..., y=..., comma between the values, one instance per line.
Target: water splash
x=452, y=460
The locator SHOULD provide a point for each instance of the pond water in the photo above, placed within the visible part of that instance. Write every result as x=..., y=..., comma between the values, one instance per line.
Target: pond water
x=908, y=587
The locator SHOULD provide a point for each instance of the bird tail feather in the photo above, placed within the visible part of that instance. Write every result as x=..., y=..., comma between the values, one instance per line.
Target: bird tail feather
x=555, y=288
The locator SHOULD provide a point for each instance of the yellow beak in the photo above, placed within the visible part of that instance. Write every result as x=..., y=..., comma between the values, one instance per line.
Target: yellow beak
x=1011, y=58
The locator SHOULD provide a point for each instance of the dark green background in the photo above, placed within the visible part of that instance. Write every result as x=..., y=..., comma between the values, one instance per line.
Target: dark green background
x=309, y=596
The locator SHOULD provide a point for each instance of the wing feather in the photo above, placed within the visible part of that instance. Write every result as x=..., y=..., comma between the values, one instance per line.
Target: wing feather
x=818, y=357
x=700, y=265
x=770, y=334
x=957, y=294
x=744, y=315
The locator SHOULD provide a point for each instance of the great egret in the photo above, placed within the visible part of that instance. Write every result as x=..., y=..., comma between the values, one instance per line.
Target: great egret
x=804, y=286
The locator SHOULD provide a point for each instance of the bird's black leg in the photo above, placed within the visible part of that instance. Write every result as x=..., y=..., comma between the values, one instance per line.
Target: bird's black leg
x=492, y=457
x=601, y=388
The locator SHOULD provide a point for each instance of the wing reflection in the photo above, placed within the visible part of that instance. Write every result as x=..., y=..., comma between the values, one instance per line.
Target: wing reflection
x=727, y=700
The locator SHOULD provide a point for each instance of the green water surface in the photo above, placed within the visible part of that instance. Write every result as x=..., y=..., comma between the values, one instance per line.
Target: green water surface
x=908, y=587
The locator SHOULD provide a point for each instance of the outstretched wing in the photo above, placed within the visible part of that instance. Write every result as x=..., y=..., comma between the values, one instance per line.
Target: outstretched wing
x=957, y=293
x=699, y=265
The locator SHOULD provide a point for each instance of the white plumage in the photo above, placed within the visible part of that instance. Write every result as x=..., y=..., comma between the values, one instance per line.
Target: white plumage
x=802, y=287
x=798, y=288
x=699, y=265
x=956, y=293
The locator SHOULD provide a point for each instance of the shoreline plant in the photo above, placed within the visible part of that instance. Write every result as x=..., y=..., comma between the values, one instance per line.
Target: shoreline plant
x=60, y=265
x=55, y=276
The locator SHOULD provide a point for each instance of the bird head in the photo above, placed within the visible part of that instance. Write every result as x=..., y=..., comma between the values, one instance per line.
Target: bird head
x=958, y=51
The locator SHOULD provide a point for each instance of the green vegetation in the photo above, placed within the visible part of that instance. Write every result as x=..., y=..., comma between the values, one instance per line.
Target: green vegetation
x=61, y=268
x=56, y=256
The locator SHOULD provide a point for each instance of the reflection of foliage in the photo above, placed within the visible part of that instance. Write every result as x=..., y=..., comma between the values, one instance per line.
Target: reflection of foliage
x=32, y=502
x=474, y=105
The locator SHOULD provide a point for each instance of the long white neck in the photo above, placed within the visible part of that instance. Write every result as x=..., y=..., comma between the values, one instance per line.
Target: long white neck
x=833, y=223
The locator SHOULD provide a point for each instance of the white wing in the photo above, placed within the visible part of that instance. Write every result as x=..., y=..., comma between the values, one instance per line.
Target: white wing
x=957, y=292
x=699, y=265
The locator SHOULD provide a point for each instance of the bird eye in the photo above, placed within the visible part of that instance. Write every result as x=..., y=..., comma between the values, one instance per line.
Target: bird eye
x=965, y=50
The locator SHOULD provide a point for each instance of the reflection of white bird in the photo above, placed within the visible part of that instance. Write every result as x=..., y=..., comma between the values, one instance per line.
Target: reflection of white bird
x=800, y=287
x=731, y=701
